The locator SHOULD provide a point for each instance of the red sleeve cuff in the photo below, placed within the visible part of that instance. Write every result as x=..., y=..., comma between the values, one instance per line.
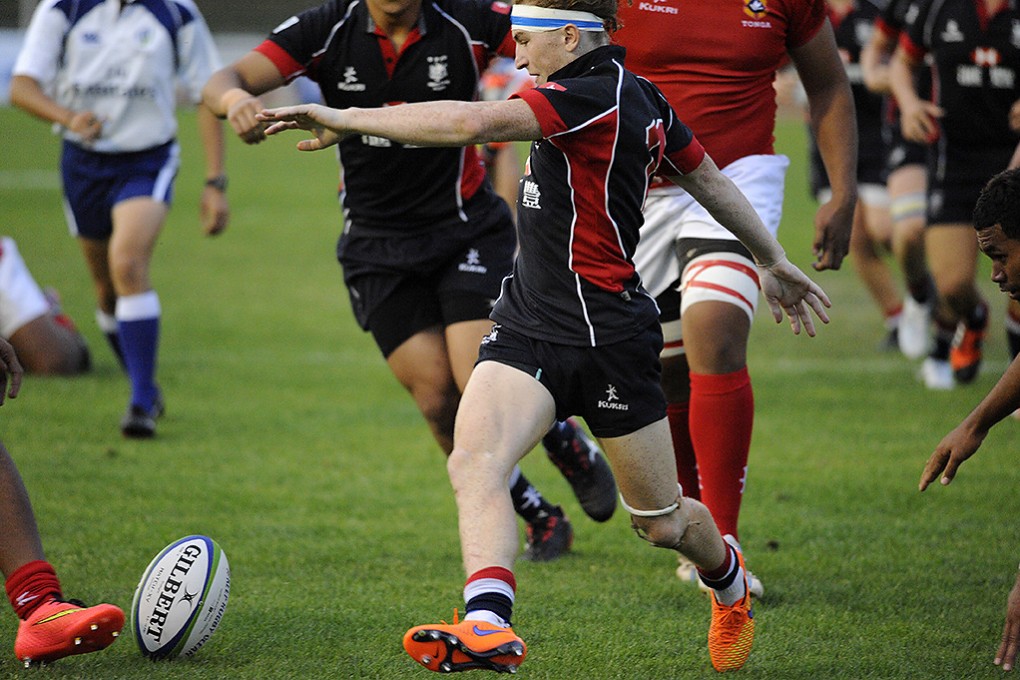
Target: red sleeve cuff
x=547, y=117
x=288, y=67
x=688, y=158
x=913, y=50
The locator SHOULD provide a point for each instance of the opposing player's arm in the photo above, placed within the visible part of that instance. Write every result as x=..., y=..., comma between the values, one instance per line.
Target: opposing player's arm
x=964, y=440
x=834, y=124
x=442, y=123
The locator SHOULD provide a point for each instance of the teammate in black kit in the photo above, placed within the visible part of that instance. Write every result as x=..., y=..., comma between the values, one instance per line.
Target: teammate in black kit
x=907, y=178
x=426, y=241
x=972, y=129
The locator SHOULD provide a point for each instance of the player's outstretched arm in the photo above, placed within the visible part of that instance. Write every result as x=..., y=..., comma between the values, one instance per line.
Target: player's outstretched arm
x=441, y=123
x=786, y=288
x=956, y=447
x=964, y=440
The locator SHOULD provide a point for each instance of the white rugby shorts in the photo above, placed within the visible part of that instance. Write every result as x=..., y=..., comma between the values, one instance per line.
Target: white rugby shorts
x=671, y=214
x=21, y=299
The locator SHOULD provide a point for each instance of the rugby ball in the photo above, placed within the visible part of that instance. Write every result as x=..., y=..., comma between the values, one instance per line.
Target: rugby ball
x=181, y=598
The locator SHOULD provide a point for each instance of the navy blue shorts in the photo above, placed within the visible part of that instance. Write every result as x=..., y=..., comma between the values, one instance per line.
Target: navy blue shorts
x=95, y=182
x=614, y=387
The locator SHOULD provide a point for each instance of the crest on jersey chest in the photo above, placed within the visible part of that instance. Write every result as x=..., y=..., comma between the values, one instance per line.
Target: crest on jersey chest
x=439, y=73
x=756, y=9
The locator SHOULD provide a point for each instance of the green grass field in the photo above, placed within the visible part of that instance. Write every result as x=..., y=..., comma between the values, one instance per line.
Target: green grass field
x=288, y=441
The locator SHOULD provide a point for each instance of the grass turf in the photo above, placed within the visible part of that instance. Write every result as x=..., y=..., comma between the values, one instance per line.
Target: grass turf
x=288, y=441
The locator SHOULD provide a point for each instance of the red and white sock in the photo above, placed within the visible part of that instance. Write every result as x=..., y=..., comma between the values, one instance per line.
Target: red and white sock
x=31, y=585
x=721, y=418
x=489, y=594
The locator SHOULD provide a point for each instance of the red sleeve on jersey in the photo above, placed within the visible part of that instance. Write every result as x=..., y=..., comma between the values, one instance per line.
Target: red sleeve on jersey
x=285, y=64
x=915, y=51
x=548, y=119
x=805, y=23
x=507, y=48
x=685, y=160
x=890, y=32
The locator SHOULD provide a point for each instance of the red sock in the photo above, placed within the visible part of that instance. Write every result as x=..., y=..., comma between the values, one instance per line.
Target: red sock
x=678, y=415
x=31, y=585
x=722, y=414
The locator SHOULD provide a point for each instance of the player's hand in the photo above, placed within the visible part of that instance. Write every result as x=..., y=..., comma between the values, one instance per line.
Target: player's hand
x=325, y=123
x=952, y=451
x=241, y=115
x=10, y=369
x=787, y=289
x=215, y=211
x=919, y=121
x=86, y=125
x=833, y=224
x=1011, y=630
x=1014, y=116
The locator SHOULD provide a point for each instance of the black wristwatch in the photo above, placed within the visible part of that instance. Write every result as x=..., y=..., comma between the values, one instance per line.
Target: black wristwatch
x=219, y=182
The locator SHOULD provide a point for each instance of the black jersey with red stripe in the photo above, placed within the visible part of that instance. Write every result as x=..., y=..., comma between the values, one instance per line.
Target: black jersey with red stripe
x=605, y=133
x=975, y=66
x=389, y=187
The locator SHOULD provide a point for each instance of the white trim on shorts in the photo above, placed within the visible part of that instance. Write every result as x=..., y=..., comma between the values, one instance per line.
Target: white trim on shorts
x=21, y=299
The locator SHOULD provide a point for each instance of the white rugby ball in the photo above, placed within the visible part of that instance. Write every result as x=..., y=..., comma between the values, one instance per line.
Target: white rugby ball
x=181, y=598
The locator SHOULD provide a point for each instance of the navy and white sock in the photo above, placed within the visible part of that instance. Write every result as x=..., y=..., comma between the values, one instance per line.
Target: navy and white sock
x=138, y=319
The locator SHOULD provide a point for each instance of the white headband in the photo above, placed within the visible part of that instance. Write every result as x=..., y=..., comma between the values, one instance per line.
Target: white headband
x=531, y=18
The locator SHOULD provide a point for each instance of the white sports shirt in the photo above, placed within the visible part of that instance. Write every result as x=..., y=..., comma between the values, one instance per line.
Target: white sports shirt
x=121, y=62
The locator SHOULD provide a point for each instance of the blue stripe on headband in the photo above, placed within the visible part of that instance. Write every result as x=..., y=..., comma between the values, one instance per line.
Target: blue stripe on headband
x=526, y=23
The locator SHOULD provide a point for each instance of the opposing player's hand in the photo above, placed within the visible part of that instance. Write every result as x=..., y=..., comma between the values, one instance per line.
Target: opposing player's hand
x=1011, y=630
x=787, y=289
x=833, y=223
x=952, y=451
x=10, y=369
x=325, y=123
x=215, y=211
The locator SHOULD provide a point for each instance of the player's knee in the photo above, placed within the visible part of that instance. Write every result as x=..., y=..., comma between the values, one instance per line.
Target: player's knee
x=438, y=407
x=472, y=469
x=129, y=273
x=663, y=531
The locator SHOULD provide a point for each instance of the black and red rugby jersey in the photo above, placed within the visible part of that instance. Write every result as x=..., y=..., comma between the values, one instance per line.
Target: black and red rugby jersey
x=605, y=133
x=975, y=66
x=389, y=187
